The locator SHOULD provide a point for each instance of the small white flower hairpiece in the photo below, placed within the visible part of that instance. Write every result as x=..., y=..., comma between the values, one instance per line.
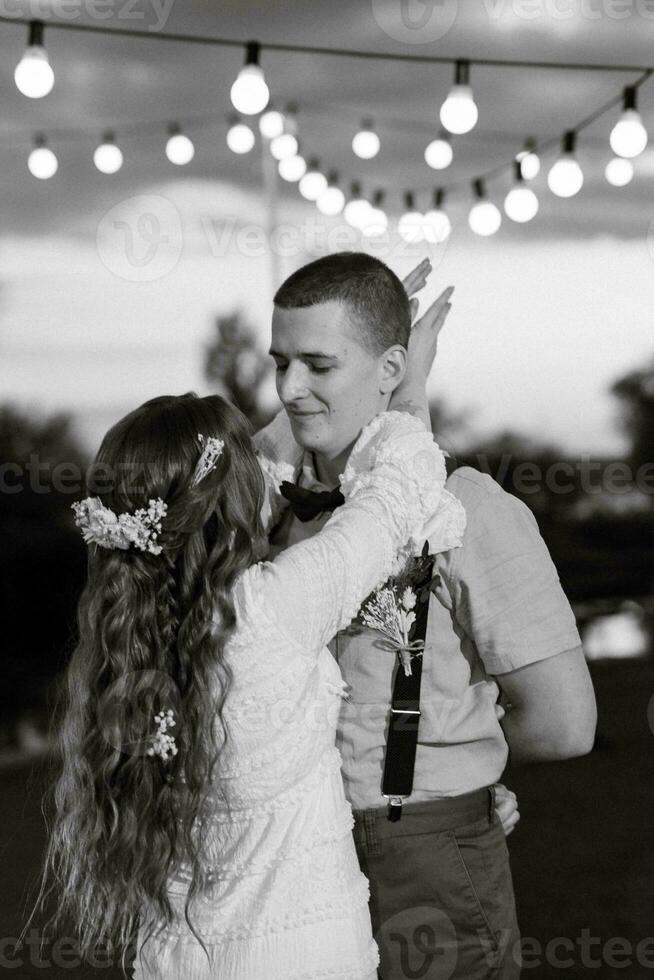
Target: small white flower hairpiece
x=99, y=525
x=163, y=744
x=212, y=447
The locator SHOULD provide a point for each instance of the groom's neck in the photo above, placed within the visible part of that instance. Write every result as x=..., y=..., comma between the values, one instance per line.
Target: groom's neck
x=329, y=469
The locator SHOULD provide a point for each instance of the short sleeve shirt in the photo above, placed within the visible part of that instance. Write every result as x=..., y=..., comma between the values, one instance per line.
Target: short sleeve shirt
x=499, y=606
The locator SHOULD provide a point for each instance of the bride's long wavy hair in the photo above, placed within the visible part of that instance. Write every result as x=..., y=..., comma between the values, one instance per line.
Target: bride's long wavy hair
x=151, y=631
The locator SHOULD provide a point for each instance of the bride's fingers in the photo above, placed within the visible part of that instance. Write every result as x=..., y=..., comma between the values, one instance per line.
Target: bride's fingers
x=413, y=306
x=417, y=278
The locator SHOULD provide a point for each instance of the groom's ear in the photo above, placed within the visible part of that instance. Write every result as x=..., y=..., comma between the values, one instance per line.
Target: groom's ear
x=392, y=368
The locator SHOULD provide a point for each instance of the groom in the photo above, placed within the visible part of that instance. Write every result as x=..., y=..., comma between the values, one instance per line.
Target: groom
x=498, y=623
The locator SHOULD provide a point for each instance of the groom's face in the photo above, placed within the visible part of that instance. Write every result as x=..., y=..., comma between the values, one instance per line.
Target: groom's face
x=327, y=381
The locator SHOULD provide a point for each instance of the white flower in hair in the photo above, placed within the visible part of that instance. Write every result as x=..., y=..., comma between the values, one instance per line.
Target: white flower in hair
x=163, y=744
x=99, y=525
x=212, y=448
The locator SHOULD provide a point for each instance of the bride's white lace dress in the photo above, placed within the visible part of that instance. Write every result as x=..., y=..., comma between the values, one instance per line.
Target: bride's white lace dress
x=288, y=901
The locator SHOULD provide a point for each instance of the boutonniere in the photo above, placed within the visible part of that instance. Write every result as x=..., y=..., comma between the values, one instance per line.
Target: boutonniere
x=390, y=608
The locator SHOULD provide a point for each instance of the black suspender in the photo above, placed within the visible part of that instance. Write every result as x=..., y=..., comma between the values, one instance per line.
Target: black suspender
x=402, y=741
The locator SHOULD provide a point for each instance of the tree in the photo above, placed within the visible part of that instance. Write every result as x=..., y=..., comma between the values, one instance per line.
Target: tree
x=235, y=362
x=636, y=393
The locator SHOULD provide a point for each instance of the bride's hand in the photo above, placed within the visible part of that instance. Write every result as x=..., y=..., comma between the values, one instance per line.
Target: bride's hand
x=506, y=808
x=423, y=340
x=417, y=278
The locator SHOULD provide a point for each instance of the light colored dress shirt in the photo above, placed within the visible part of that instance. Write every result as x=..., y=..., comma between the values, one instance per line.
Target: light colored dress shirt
x=499, y=606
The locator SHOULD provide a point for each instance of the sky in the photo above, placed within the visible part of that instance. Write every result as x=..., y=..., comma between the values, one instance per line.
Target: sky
x=109, y=286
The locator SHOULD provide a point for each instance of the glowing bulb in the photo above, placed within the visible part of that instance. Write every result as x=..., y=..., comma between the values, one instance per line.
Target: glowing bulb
x=108, y=157
x=436, y=224
x=42, y=162
x=332, y=199
x=484, y=218
x=628, y=136
x=410, y=226
x=179, y=148
x=292, y=168
x=366, y=142
x=376, y=222
x=459, y=113
x=240, y=138
x=285, y=145
x=566, y=177
x=313, y=183
x=438, y=154
x=357, y=208
x=33, y=75
x=249, y=93
x=619, y=171
x=529, y=160
x=271, y=124
x=521, y=204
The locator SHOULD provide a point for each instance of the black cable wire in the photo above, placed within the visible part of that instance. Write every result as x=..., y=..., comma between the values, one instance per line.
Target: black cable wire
x=318, y=50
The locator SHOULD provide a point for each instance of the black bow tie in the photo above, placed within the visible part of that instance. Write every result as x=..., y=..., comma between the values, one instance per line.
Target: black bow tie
x=307, y=504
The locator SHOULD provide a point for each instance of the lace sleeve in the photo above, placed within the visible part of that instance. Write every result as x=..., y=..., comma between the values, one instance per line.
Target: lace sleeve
x=274, y=504
x=393, y=485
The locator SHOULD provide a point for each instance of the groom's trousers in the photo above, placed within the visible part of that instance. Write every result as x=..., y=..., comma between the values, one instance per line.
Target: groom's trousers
x=441, y=894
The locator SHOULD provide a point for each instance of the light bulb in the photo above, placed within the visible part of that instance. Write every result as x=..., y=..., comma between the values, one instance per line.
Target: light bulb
x=438, y=154
x=529, y=160
x=285, y=145
x=292, y=168
x=628, y=136
x=42, y=162
x=240, y=138
x=357, y=208
x=108, y=157
x=313, y=183
x=521, y=204
x=376, y=220
x=179, y=148
x=332, y=199
x=459, y=113
x=619, y=171
x=410, y=225
x=436, y=224
x=33, y=75
x=271, y=124
x=249, y=93
x=366, y=142
x=484, y=218
x=565, y=177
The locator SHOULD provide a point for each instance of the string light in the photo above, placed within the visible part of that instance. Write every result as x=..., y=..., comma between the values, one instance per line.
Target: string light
x=240, y=138
x=410, y=226
x=284, y=145
x=357, y=208
x=314, y=182
x=271, y=124
x=459, y=113
x=566, y=177
x=42, y=162
x=484, y=218
x=436, y=224
x=366, y=143
x=520, y=204
x=628, y=137
x=179, y=148
x=107, y=156
x=332, y=199
x=249, y=93
x=376, y=220
x=292, y=168
x=438, y=153
x=619, y=171
x=33, y=75
x=529, y=160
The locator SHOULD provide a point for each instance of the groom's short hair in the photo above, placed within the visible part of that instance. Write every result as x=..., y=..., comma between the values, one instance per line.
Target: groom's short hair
x=374, y=294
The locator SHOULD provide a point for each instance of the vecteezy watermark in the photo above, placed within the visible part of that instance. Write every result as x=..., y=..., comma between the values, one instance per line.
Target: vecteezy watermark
x=415, y=21
x=532, y=10
x=418, y=942
x=150, y=15
x=126, y=710
x=140, y=239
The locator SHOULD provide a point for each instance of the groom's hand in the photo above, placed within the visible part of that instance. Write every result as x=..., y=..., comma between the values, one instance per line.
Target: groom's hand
x=506, y=808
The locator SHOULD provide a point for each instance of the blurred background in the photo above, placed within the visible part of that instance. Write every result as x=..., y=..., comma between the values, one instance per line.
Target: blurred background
x=159, y=277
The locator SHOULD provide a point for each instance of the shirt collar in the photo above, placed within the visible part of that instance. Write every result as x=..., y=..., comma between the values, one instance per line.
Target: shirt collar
x=308, y=477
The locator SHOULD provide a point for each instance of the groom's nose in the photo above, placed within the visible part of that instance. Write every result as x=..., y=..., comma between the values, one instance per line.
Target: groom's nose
x=293, y=384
